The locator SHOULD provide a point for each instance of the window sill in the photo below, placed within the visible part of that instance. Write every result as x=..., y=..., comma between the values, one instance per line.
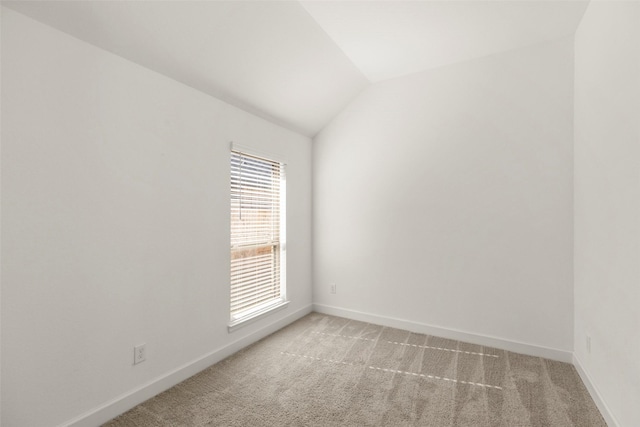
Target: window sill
x=253, y=317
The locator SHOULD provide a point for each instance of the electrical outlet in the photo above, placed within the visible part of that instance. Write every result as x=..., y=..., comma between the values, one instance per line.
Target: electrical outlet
x=139, y=354
x=333, y=288
x=588, y=343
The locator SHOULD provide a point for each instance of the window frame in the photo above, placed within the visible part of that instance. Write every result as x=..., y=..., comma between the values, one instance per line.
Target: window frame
x=259, y=311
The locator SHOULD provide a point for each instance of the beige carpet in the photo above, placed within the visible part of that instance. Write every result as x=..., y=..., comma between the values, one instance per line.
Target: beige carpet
x=330, y=371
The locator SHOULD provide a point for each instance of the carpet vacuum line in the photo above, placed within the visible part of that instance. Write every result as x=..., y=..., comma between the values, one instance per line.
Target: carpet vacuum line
x=415, y=374
x=409, y=345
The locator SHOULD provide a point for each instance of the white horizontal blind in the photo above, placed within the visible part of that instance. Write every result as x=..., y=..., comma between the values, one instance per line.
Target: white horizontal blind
x=256, y=190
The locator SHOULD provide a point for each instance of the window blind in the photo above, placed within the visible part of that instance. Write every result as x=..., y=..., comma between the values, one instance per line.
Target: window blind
x=256, y=200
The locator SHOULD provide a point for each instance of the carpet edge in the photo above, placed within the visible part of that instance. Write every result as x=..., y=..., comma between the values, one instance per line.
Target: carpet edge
x=126, y=401
x=423, y=328
x=595, y=394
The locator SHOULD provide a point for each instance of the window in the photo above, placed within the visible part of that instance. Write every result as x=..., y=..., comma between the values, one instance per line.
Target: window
x=257, y=236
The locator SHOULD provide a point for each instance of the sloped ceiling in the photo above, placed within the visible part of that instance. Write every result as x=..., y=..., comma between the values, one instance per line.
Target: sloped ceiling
x=387, y=39
x=298, y=64
x=269, y=58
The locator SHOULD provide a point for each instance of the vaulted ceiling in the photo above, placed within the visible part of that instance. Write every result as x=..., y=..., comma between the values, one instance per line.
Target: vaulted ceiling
x=298, y=64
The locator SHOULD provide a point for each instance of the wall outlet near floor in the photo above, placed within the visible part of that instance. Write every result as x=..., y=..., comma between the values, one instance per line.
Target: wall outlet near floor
x=333, y=288
x=588, y=343
x=139, y=353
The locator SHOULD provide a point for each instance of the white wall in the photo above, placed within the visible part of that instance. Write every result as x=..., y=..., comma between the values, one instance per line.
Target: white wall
x=115, y=219
x=607, y=204
x=444, y=198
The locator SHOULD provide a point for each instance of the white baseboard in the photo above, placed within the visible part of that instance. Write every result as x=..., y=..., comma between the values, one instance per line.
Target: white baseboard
x=123, y=403
x=595, y=394
x=513, y=346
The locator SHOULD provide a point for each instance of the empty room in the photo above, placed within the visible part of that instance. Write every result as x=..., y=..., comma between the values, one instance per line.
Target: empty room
x=320, y=213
